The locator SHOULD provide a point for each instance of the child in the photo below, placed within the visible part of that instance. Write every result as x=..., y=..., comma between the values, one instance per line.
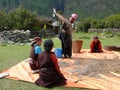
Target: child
x=95, y=45
x=35, y=51
x=50, y=74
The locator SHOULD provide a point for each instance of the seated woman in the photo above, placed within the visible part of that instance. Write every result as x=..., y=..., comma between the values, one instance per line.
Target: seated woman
x=50, y=74
x=95, y=45
x=35, y=50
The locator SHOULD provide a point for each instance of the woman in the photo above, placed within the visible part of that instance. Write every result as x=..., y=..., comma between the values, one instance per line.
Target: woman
x=95, y=45
x=66, y=34
x=35, y=50
x=50, y=74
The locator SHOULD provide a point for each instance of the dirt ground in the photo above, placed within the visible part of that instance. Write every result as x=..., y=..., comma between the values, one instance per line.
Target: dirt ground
x=91, y=67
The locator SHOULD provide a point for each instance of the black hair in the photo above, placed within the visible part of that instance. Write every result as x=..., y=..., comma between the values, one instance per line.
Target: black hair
x=48, y=45
x=95, y=37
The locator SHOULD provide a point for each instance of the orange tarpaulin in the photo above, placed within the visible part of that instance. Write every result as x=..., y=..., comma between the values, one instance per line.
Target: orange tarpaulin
x=22, y=71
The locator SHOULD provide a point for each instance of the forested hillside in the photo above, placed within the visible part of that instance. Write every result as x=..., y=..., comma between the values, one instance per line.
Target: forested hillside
x=84, y=8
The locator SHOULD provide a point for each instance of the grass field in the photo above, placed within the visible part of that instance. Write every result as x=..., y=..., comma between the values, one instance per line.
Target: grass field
x=12, y=54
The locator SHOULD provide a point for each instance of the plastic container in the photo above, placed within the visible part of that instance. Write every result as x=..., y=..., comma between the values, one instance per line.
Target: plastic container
x=58, y=52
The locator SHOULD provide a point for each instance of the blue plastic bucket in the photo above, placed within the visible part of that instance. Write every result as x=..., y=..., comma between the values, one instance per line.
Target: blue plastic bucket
x=58, y=52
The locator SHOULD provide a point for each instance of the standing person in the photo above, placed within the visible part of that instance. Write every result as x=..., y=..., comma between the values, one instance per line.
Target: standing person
x=95, y=45
x=66, y=34
x=35, y=50
x=50, y=74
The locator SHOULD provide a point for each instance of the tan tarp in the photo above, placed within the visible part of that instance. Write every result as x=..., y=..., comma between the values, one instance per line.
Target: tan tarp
x=22, y=72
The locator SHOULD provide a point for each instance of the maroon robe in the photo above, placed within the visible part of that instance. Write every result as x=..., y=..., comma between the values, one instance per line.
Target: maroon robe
x=50, y=74
x=33, y=63
x=96, y=46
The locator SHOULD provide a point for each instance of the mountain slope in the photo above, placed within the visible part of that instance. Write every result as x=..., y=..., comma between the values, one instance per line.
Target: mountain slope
x=84, y=8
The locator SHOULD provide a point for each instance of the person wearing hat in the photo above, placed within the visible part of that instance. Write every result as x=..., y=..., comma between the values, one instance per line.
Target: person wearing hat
x=35, y=51
x=66, y=34
x=50, y=74
x=95, y=45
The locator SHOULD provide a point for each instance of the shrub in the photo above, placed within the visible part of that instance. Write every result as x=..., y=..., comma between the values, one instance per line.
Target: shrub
x=86, y=23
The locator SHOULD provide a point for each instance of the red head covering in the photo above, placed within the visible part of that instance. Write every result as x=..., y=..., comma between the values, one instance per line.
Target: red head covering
x=74, y=16
x=36, y=39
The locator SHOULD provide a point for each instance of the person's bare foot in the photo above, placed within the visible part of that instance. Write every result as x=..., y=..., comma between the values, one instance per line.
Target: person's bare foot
x=35, y=71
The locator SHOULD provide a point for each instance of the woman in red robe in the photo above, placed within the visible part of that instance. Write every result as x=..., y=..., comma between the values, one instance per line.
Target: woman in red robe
x=50, y=74
x=95, y=45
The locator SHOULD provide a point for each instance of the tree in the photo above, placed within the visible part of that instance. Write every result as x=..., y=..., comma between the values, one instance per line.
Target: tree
x=21, y=18
x=3, y=20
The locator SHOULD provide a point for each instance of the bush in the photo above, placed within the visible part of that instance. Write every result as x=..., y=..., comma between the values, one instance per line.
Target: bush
x=113, y=21
x=21, y=19
x=3, y=20
x=85, y=24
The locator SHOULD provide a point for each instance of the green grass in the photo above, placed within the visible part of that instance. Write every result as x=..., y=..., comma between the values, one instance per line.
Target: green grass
x=104, y=38
x=12, y=54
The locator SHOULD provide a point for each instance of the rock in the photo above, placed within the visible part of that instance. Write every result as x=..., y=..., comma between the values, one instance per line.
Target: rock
x=15, y=36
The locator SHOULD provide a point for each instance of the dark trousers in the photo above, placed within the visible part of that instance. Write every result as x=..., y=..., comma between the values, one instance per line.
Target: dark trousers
x=66, y=41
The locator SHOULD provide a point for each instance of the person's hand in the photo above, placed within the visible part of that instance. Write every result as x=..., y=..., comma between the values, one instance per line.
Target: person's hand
x=54, y=10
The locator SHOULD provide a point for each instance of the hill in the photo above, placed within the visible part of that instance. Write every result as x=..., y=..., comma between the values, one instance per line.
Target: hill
x=84, y=8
